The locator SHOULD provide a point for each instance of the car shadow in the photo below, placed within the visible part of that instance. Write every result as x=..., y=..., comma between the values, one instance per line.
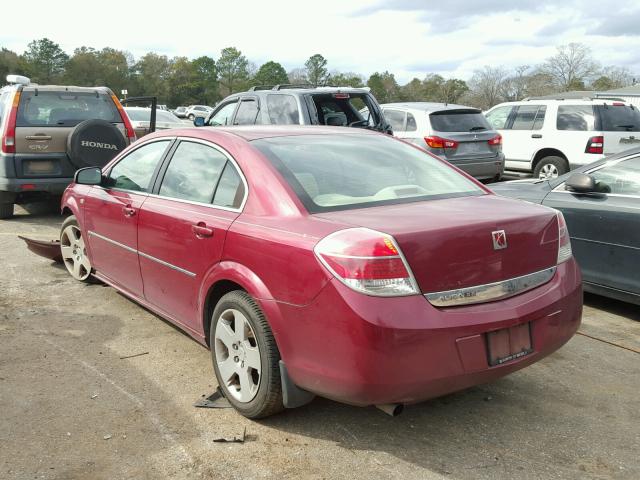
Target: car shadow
x=616, y=307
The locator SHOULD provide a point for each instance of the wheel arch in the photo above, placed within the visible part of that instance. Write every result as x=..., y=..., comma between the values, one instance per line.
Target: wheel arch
x=547, y=152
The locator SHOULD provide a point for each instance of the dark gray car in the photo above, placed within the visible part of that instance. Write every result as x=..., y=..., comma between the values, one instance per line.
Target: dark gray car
x=601, y=204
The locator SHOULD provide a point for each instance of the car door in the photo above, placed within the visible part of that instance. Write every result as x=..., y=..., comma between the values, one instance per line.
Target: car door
x=247, y=112
x=183, y=225
x=111, y=214
x=605, y=227
x=524, y=136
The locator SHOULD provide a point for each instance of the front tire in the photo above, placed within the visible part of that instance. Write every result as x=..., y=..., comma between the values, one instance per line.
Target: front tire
x=550, y=167
x=74, y=251
x=191, y=117
x=245, y=356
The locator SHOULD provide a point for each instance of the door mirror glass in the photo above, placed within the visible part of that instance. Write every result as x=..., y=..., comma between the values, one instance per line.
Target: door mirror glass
x=88, y=176
x=198, y=121
x=580, y=183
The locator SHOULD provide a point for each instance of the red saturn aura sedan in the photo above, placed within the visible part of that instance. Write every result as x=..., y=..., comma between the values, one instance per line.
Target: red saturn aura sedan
x=325, y=261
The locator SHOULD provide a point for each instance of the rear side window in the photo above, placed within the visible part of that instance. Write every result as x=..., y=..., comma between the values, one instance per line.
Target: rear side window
x=230, y=191
x=247, y=113
x=193, y=173
x=64, y=109
x=395, y=119
x=134, y=171
x=283, y=110
x=459, y=121
x=575, y=118
x=411, y=123
x=619, y=118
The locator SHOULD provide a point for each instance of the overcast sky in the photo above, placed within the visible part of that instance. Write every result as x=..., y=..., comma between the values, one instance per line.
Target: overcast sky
x=407, y=37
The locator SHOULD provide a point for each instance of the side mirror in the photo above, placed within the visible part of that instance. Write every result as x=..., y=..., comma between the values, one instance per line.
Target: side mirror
x=580, y=183
x=88, y=176
x=198, y=121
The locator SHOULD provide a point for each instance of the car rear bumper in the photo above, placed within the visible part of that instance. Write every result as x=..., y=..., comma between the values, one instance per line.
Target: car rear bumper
x=17, y=190
x=481, y=168
x=367, y=350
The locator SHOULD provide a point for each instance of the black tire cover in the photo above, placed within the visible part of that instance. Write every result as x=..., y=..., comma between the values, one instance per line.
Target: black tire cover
x=93, y=143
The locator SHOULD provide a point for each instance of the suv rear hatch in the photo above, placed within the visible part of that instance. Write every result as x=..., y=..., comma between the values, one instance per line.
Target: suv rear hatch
x=620, y=124
x=343, y=109
x=449, y=243
x=462, y=135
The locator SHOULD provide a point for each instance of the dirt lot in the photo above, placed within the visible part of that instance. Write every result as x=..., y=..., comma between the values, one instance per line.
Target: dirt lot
x=71, y=408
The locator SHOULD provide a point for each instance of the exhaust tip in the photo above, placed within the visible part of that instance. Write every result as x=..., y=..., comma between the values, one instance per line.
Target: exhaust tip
x=391, y=409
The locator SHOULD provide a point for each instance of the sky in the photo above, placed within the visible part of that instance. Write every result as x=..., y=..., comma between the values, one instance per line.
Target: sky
x=409, y=38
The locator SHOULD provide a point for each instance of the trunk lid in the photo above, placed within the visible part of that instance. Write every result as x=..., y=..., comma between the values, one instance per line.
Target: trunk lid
x=449, y=243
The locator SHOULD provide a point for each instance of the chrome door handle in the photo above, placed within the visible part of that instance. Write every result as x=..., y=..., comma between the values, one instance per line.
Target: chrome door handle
x=128, y=211
x=38, y=137
x=201, y=230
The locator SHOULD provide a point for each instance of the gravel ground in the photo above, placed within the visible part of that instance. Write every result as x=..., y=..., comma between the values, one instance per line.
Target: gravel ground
x=73, y=409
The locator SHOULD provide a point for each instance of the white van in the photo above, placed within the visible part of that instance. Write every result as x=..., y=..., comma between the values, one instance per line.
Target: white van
x=550, y=137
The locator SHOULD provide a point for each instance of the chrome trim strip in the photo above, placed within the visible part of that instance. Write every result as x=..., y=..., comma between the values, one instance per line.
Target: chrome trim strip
x=490, y=291
x=113, y=242
x=142, y=254
x=167, y=264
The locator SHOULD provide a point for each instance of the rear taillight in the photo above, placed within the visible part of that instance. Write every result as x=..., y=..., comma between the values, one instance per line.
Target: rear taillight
x=367, y=261
x=439, y=142
x=595, y=145
x=131, y=134
x=495, y=141
x=9, y=134
x=564, y=243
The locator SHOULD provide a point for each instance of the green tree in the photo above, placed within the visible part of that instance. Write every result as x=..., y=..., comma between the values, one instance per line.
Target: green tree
x=384, y=87
x=413, y=91
x=183, y=83
x=45, y=61
x=9, y=64
x=347, y=79
x=233, y=72
x=317, y=73
x=452, y=90
x=207, y=73
x=84, y=68
x=116, y=65
x=270, y=73
x=150, y=77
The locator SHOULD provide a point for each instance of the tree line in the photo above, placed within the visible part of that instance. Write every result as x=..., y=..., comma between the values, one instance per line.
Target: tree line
x=206, y=80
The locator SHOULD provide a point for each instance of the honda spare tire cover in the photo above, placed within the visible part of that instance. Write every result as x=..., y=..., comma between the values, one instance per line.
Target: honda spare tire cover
x=93, y=143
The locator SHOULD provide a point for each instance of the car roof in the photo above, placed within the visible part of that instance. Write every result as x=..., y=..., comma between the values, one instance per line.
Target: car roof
x=427, y=106
x=568, y=101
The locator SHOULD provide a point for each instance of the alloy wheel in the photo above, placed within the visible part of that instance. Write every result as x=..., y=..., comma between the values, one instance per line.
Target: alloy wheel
x=74, y=253
x=548, y=171
x=237, y=355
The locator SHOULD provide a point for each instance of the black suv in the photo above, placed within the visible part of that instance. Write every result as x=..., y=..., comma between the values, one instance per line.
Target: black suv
x=299, y=105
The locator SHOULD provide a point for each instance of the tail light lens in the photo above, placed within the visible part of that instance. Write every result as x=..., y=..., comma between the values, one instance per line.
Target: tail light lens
x=131, y=134
x=564, y=243
x=9, y=134
x=367, y=261
x=439, y=142
x=595, y=145
x=495, y=141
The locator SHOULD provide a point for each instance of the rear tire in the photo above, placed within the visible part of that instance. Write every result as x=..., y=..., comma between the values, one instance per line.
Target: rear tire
x=550, y=167
x=239, y=333
x=6, y=210
x=191, y=117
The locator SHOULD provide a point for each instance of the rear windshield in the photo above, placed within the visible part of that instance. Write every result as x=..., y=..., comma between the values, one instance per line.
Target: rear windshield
x=459, y=121
x=64, y=109
x=354, y=171
x=619, y=118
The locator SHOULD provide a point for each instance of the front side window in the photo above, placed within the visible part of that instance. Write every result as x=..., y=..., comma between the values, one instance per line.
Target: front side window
x=622, y=178
x=395, y=119
x=64, y=109
x=247, y=113
x=575, y=118
x=223, y=116
x=193, y=172
x=283, y=110
x=354, y=171
x=134, y=172
x=498, y=117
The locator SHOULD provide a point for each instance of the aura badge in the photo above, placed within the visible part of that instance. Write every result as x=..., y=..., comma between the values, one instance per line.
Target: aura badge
x=499, y=239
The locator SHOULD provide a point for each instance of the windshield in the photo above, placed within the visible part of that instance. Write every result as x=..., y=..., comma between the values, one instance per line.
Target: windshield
x=353, y=171
x=66, y=109
x=459, y=121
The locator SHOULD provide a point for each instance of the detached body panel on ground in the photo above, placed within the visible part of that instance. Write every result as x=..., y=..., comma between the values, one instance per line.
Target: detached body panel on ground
x=437, y=305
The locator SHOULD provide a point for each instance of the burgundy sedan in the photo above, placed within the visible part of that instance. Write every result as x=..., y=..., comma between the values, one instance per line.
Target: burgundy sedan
x=325, y=261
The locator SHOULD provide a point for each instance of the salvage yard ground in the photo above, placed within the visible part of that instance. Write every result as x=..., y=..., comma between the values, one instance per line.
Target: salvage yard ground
x=72, y=408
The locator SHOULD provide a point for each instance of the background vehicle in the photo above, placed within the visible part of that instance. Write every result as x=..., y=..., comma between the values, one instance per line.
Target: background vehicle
x=180, y=112
x=308, y=258
x=551, y=137
x=140, y=120
x=461, y=135
x=601, y=203
x=197, y=111
x=49, y=131
x=300, y=105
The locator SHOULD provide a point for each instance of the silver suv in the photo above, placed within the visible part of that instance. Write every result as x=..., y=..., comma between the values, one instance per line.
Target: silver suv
x=50, y=131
